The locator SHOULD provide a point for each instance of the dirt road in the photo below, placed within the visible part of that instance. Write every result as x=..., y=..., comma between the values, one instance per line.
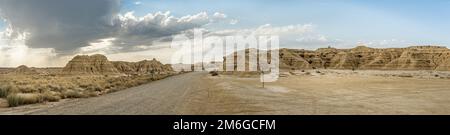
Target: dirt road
x=167, y=96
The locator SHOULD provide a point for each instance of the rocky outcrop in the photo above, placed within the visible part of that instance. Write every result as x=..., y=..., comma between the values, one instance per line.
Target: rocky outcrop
x=99, y=64
x=142, y=67
x=24, y=70
x=293, y=59
x=361, y=57
x=94, y=64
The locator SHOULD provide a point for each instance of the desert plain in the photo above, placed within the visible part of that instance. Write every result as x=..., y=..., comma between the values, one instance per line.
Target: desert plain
x=329, y=81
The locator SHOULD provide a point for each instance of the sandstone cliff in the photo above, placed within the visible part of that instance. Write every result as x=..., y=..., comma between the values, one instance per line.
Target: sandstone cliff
x=361, y=57
x=95, y=64
x=142, y=67
x=99, y=64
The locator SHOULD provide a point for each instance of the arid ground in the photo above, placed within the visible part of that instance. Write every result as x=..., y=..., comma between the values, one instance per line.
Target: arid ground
x=296, y=92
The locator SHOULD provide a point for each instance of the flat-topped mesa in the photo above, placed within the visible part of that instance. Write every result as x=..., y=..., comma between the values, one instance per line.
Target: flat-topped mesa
x=94, y=64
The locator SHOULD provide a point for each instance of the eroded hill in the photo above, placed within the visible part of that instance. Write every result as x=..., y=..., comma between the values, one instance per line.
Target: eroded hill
x=83, y=76
x=361, y=57
x=99, y=64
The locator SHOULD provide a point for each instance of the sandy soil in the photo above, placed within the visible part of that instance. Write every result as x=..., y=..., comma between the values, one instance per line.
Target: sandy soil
x=334, y=92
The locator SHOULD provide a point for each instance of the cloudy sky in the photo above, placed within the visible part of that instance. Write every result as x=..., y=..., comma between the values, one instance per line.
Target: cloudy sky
x=49, y=32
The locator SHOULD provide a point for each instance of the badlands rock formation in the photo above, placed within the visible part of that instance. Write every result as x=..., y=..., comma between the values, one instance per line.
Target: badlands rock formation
x=361, y=57
x=99, y=64
x=24, y=70
x=95, y=64
x=142, y=67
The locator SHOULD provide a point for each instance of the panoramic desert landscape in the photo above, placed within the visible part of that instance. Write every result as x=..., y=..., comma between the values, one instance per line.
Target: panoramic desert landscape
x=360, y=80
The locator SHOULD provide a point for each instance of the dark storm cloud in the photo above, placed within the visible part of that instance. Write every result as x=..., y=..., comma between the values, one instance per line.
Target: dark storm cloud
x=61, y=24
x=156, y=27
x=68, y=25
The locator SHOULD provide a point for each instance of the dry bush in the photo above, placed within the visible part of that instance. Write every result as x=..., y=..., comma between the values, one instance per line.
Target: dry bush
x=73, y=94
x=405, y=75
x=91, y=93
x=54, y=87
x=23, y=98
x=26, y=88
x=4, y=90
x=214, y=73
x=51, y=96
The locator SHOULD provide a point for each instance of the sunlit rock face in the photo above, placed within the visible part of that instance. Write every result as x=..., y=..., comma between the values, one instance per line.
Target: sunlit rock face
x=94, y=64
x=99, y=64
x=142, y=67
x=361, y=57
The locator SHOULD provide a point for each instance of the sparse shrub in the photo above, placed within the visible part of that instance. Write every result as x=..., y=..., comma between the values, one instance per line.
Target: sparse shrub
x=130, y=84
x=405, y=75
x=90, y=93
x=68, y=86
x=108, y=86
x=26, y=89
x=84, y=85
x=50, y=97
x=35, y=77
x=214, y=73
x=53, y=87
x=73, y=94
x=23, y=99
x=4, y=90
x=291, y=73
x=42, y=87
x=117, y=83
x=94, y=87
x=113, y=89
